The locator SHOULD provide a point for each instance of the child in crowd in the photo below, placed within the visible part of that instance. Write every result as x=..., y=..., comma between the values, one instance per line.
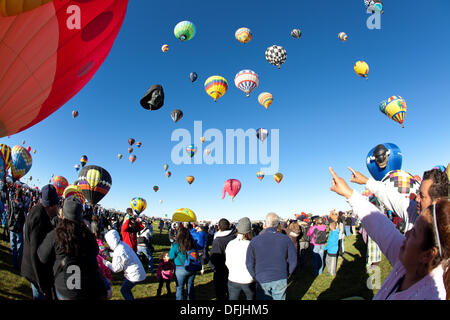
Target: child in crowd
x=166, y=270
x=332, y=249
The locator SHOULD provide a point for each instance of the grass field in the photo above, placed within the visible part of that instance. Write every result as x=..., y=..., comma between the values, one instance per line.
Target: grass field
x=350, y=280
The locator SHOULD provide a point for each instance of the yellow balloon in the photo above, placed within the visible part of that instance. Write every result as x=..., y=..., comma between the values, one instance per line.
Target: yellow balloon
x=448, y=171
x=361, y=68
x=265, y=99
x=395, y=109
x=184, y=215
x=75, y=191
x=138, y=204
x=202, y=139
x=278, y=177
x=165, y=48
x=190, y=179
x=216, y=87
x=93, y=178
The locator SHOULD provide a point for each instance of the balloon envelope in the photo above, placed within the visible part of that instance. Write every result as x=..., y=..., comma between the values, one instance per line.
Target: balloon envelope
x=155, y=188
x=132, y=158
x=278, y=177
x=361, y=68
x=176, y=115
x=138, y=205
x=190, y=179
x=60, y=184
x=276, y=55
x=265, y=99
x=243, y=35
x=296, y=33
x=246, y=81
x=75, y=191
x=184, y=30
x=260, y=175
x=382, y=159
x=193, y=76
x=184, y=215
x=403, y=182
x=191, y=150
x=6, y=152
x=395, y=108
x=232, y=187
x=216, y=87
x=262, y=134
x=95, y=182
x=21, y=162
x=83, y=160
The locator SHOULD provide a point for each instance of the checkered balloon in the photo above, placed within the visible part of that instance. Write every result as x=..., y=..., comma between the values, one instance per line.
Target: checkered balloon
x=276, y=55
x=405, y=183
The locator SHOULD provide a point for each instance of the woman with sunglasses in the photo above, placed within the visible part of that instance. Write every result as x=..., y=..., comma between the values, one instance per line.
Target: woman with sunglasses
x=419, y=259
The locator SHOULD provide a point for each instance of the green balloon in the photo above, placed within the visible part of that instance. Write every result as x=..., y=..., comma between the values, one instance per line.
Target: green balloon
x=184, y=30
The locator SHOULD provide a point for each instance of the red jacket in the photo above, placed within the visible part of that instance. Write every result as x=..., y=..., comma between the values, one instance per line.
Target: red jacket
x=129, y=234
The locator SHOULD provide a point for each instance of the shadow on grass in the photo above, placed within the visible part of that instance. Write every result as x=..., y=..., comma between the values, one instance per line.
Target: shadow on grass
x=300, y=282
x=351, y=277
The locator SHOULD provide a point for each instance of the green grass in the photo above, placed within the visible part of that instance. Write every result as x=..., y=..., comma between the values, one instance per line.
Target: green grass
x=350, y=279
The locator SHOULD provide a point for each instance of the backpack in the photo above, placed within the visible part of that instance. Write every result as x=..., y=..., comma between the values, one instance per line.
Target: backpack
x=305, y=237
x=321, y=237
x=192, y=262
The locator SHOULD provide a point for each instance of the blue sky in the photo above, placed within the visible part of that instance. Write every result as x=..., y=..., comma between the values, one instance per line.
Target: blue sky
x=325, y=113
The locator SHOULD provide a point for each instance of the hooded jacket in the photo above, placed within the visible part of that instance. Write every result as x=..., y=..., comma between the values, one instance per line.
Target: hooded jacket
x=217, y=255
x=129, y=234
x=124, y=258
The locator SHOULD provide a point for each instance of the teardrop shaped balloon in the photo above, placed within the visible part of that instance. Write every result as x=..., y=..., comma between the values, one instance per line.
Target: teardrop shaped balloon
x=243, y=35
x=202, y=139
x=296, y=33
x=95, y=182
x=132, y=158
x=6, y=152
x=74, y=114
x=216, y=87
x=168, y=174
x=262, y=134
x=21, y=162
x=34, y=151
x=395, y=108
x=83, y=160
x=165, y=48
x=278, y=177
x=74, y=191
x=138, y=204
x=77, y=167
x=166, y=166
x=246, y=81
x=361, y=69
x=138, y=144
x=119, y=156
x=190, y=179
x=60, y=183
x=191, y=150
x=131, y=141
x=130, y=150
x=155, y=188
x=29, y=149
x=342, y=36
x=232, y=187
x=260, y=175
x=176, y=115
x=265, y=99
x=184, y=31
x=193, y=76
x=160, y=201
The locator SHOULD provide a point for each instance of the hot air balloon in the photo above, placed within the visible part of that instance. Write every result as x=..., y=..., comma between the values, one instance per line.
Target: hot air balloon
x=132, y=158
x=374, y=6
x=160, y=201
x=168, y=174
x=184, y=215
x=165, y=48
x=207, y=152
x=74, y=191
x=6, y=153
x=278, y=177
x=262, y=134
x=83, y=160
x=131, y=141
x=119, y=156
x=138, y=144
x=394, y=108
x=193, y=76
x=191, y=150
x=202, y=139
x=74, y=114
x=153, y=98
x=60, y=184
x=342, y=36
x=77, y=167
x=23, y=142
x=29, y=149
x=166, y=166
x=243, y=35
x=130, y=150
x=448, y=171
x=94, y=182
x=34, y=151
x=184, y=30
x=276, y=55
x=51, y=55
x=155, y=188
x=260, y=175
x=138, y=204
x=216, y=87
x=190, y=179
x=296, y=33
x=232, y=187
x=265, y=99
x=361, y=68
x=382, y=159
x=402, y=181
x=21, y=162
x=246, y=81
x=3, y=171
x=176, y=115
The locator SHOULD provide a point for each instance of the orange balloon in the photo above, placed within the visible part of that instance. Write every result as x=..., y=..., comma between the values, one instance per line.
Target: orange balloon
x=190, y=179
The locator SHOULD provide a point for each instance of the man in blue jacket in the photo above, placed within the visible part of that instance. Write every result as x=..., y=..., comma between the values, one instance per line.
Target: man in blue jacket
x=271, y=258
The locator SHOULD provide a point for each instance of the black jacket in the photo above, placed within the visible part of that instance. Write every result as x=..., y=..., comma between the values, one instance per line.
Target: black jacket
x=217, y=254
x=37, y=226
x=16, y=215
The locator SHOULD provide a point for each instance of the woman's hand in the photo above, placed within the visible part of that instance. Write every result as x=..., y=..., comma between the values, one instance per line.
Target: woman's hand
x=358, y=177
x=339, y=185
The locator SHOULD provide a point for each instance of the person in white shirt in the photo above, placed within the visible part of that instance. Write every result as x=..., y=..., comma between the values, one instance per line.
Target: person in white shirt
x=239, y=279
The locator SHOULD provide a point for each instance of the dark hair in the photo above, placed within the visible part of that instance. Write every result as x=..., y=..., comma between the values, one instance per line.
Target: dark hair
x=129, y=210
x=443, y=225
x=71, y=236
x=185, y=240
x=162, y=254
x=440, y=187
x=224, y=224
x=247, y=236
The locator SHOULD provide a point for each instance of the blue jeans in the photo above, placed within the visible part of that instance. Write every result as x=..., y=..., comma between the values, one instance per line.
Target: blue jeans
x=127, y=285
x=274, y=290
x=184, y=276
x=146, y=251
x=16, y=243
x=317, y=259
x=234, y=290
x=347, y=231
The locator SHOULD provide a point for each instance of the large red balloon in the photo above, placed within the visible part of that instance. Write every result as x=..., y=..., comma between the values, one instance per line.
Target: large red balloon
x=232, y=186
x=46, y=59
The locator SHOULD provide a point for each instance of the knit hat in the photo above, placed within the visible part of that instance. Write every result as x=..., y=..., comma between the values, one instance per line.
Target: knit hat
x=244, y=225
x=73, y=209
x=49, y=196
